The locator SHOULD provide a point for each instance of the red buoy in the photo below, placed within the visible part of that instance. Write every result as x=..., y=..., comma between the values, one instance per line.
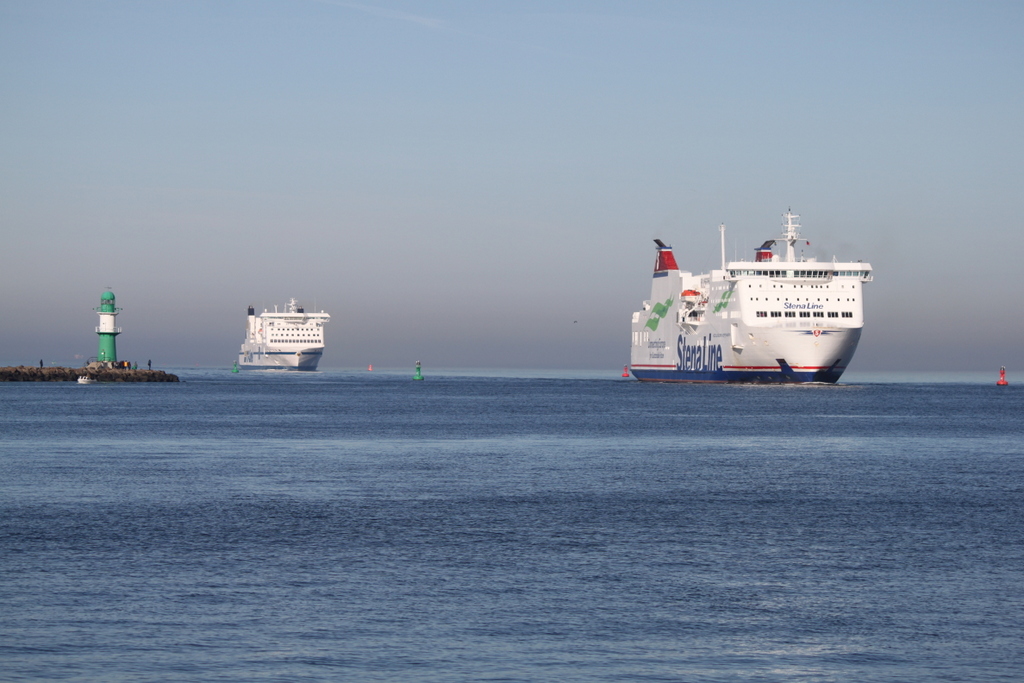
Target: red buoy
x=625, y=371
x=370, y=368
x=1002, y=377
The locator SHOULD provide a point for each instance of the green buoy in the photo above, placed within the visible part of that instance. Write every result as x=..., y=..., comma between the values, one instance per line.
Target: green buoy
x=235, y=369
x=419, y=371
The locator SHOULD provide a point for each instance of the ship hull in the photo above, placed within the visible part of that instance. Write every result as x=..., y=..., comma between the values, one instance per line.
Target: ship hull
x=272, y=359
x=768, y=356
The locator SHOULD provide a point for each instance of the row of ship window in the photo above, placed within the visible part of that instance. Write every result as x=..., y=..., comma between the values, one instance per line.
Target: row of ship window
x=800, y=273
x=804, y=314
x=757, y=298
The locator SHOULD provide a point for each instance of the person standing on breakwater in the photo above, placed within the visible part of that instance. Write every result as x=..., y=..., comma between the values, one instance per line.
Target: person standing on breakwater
x=150, y=364
x=40, y=363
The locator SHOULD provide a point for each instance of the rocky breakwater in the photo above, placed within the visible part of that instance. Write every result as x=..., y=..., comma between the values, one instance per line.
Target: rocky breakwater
x=28, y=373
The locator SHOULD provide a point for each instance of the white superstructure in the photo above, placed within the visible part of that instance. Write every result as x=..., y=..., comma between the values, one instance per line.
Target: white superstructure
x=778, y=318
x=290, y=339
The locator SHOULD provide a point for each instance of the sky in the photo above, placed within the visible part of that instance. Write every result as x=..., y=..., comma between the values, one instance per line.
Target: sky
x=477, y=184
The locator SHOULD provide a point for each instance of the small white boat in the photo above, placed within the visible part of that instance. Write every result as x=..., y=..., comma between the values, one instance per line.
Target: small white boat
x=84, y=379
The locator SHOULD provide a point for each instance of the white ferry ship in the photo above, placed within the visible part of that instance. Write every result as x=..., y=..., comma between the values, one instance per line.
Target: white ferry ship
x=290, y=339
x=777, y=319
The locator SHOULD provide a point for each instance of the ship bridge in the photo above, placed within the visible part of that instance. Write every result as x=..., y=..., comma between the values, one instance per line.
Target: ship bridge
x=801, y=270
x=768, y=264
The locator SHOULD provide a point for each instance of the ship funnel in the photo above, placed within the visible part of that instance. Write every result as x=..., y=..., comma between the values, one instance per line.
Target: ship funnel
x=666, y=260
x=764, y=252
x=251, y=311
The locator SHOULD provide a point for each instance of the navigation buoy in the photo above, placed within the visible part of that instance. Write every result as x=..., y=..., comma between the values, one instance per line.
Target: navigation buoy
x=370, y=369
x=419, y=371
x=625, y=371
x=1002, y=377
x=235, y=369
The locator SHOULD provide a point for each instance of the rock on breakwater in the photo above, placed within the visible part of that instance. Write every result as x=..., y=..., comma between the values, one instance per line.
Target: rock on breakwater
x=28, y=373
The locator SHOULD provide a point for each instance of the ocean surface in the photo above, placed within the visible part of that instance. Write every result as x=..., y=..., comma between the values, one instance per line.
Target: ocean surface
x=365, y=527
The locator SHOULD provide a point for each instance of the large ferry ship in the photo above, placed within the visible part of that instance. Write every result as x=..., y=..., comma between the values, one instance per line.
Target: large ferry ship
x=780, y=318
x=289, y=340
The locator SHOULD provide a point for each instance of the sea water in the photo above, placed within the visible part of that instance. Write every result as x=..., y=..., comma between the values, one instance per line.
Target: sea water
x=276, y=526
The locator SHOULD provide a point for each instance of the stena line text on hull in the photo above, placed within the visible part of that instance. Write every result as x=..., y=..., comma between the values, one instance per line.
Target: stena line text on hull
x=780, y=318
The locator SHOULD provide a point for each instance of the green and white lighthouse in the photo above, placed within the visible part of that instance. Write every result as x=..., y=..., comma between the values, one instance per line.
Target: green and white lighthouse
x=108, y=329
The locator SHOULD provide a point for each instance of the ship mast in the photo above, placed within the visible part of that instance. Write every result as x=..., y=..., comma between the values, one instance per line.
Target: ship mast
x=721, y=229
x=790, y=233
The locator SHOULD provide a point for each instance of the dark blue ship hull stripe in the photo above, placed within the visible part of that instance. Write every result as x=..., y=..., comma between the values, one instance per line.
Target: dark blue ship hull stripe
x=827, y=375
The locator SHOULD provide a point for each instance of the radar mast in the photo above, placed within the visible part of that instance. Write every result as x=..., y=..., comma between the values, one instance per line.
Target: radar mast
x=790, y=233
